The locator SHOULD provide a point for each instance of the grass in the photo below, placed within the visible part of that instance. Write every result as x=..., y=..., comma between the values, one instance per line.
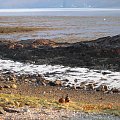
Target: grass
x=16, y=100
x=23, y=29
x=115, y=112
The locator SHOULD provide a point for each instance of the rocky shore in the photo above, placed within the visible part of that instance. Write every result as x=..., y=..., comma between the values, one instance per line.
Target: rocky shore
x=38, y=80
x=82, y=105
x=103, y=53
x=27, y=94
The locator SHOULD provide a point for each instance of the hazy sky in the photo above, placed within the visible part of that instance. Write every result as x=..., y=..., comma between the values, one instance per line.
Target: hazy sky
x=4, y=4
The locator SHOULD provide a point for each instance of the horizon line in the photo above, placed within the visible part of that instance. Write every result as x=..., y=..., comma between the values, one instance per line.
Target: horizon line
x=57, y=9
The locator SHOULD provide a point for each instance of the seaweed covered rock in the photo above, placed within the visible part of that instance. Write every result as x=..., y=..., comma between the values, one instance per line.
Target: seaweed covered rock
x=103, y=53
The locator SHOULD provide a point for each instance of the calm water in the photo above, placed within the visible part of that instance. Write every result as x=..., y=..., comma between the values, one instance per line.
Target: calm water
x=72, y=26
x=60, y=12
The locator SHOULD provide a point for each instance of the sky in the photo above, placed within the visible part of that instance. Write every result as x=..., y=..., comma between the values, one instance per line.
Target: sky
x=13, y=4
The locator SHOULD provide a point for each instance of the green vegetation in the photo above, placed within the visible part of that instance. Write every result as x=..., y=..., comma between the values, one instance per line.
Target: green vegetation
x=8, y=100
x=113, y=111
x=23, y=29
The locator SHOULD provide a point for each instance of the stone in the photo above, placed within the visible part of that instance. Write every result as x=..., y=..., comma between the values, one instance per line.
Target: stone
x=105, y=88
x=75, y=80
x=58, y=82
x=26, y=110
x=33, y=80
x=82, y=87
x=105, y=73
x=65, y=80
x=102, y=88
x=115, y=90
x=90, y=87
x=6, y=86
x=26, y=80
x=2, y=78
x=14, y=86
x=11, y=110
x=55, y=83
x=17, y=103
x=1, y=88
x=13, y=79
x=6, y=100
x=51, y=83
x=2, y=110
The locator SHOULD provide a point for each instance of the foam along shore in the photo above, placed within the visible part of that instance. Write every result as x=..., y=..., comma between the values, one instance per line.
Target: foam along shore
x=57, y=72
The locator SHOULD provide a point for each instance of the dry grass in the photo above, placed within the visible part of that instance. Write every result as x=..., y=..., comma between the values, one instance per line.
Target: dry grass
x=9, y=100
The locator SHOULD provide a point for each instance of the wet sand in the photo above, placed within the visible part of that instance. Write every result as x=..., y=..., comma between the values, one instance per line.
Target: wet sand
x=70, y=29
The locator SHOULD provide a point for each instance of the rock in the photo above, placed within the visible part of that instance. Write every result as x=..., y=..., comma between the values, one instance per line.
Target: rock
x=6, y=86
x=102, y=88
x=75, y=80
x=58, y=82
x=26, y=110
x=26, y=80
x=105, y=73
x=85, y=54
x=2, y=111
x=51, y=83
x=90, y=87
x=6, y=100
x=33, y=80
x=44, y=84
x=43, y=42
x=14, y=86
x=17, y=103
x=11, y=110
x=115, y=90
x=105, y=88
x=1, y=88
x=78, y=87
x=73, y=87
x=12, y=79
x=55, y=83
x=65, y=80
x=41, y=82
x=83, y=85
x=2, y=78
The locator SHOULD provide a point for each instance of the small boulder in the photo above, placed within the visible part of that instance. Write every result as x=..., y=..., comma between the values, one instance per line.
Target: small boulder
x=115, y=90
x=2, y=111
x=55, y=83
x=105, y=88
x=14, y=86
x=6, y=86
x=1, y=88
x=58, y=82
x=90, y=87
x=102, y=88
x=11, y=110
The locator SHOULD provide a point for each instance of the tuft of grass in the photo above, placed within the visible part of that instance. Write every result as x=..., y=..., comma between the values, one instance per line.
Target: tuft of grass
x=115, y=112
x=7, y=100
x=16, y=100
x=23, y=29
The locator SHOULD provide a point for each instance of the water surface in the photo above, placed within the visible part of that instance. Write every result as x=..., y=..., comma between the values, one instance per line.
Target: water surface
x=70, y=28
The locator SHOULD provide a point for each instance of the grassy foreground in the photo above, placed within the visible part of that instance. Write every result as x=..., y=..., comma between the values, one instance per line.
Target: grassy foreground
x=16, y=100
x=23, y=29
